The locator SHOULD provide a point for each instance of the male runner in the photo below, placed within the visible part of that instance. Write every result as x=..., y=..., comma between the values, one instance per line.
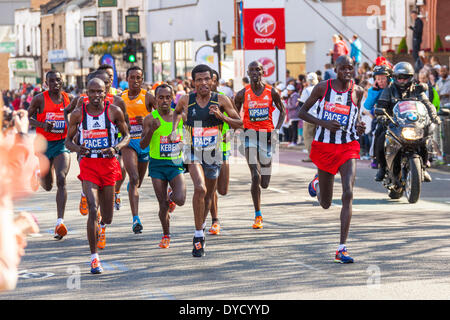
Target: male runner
x=204, y=112
x=258, y=100
x=139, y=104
x=97, y=122
x=166, y=159
x=103, y=75
x=335, y=147
x=110, y=71
x=46, y=113
x=224, y=176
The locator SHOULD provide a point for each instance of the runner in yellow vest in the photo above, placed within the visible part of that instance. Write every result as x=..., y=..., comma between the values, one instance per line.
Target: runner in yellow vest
x=166, y=159
x=139, y=104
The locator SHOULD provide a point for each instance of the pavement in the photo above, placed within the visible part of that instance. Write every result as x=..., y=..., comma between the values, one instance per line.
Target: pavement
x=401, y=250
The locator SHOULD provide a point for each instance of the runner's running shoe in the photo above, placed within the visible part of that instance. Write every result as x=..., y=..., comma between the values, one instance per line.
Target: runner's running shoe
x=60, y=231
x=117, y=201
x=311, y=188
x=258, y=223
x=343, y=257
x=96, y=267
x=84, y=210
x=215, y=228
x=172, y=204
x=199, y=247
x=165, y=242
x=101, y=237
x=137, y=226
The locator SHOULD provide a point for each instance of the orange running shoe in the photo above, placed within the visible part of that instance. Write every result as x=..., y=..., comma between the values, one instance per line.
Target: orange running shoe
x=165, y=242
x=84, y=210
x=60, y=231
x=258, y=223
x=96, y=267
x=101, y=238
x=215, y=228
x=117, y=201
x=172, y=204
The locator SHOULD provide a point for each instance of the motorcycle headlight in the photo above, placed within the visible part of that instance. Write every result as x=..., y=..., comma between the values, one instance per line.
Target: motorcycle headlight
x=412, y=133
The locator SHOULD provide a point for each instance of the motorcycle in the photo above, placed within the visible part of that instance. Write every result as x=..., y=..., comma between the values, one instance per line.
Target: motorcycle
x=406, y=148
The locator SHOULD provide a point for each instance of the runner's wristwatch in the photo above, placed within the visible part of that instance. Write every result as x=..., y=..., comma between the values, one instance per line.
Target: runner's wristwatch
x=116, y=149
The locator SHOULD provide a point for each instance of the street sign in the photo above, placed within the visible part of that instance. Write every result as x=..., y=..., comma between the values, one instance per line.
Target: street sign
x=107, y=3
x=57, y=56
x=90, y=28
x=132, y=24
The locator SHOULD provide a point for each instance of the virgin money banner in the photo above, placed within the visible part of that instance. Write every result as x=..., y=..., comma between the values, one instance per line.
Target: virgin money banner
x=264, y=28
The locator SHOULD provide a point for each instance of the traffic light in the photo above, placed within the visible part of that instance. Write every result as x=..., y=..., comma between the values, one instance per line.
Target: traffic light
x=130, y=50
x=218, y=41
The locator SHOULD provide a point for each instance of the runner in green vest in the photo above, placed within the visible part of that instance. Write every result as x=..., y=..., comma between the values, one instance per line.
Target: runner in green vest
x=166, y=160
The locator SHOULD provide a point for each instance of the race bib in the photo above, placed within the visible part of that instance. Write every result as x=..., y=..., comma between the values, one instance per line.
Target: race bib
x=96, y=140
x=335, y=111
x=258, y=112
x=205, y=138
x=169, y=149
x=136, y=129
x=59, y=124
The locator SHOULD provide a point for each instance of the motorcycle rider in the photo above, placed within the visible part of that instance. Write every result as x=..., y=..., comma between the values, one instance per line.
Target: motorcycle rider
x=403, y=87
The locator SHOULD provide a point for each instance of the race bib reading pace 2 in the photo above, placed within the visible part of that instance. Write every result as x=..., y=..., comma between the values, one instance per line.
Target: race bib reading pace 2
x=96, y=139
x=169, y=149
x=205, y=137
x=338, y=112
x=59, y=124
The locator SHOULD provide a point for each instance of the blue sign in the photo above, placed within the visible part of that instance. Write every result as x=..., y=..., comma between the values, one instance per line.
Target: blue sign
x=110, y=60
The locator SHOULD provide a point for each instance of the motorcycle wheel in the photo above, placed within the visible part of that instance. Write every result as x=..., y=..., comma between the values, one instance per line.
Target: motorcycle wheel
x=413, y=180
x=395, y=195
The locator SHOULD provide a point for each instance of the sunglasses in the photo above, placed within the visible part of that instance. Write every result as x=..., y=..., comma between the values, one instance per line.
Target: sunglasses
x=403, y=77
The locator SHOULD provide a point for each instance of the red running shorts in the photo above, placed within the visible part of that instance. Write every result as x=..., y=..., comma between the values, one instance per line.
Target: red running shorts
x=329, y=156
x=100, y=171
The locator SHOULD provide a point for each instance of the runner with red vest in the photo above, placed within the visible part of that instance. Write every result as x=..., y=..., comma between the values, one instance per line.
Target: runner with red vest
x=258, y=100
x=335, y=147
x=97, y=123
x=46, y=113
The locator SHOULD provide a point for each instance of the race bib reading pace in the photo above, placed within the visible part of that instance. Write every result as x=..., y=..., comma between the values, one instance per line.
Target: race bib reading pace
x=59, y=124
x=335, y=111
x=96, y=139
x=258, y=112
x=205, y=138
x=169, y=149
x=136, y=129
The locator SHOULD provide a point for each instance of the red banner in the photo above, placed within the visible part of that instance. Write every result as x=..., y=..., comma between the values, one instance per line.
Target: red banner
x=264, y=29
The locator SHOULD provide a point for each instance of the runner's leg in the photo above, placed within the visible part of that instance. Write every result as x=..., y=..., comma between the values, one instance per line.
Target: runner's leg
x=91, y=192
x=61, y=163
x=198, y=200
x=348, y=174
x=325, y=188
x=130, y=161
x=160, y=187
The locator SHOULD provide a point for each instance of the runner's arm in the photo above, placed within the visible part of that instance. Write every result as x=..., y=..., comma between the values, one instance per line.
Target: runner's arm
x=119, y=120
x=36, y=107
x=233, y=118
x=280, y=106
x=360, y=125
x=148, y=129
x=316, y=94
x=118, y=101
x=69, y=109
x=239, y=100
x=179, y=109
x=75, y=120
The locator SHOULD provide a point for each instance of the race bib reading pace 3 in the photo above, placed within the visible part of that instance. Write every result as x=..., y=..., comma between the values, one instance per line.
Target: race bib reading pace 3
x=205, y=138
x=136, y=129
x=335, y=111
x=96, y=139
x=59, y=124
x=258, y=112
x=169, y=149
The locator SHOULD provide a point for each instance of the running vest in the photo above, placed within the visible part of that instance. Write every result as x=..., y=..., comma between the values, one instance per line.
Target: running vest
x=258, y=109
x=53, y=113
x=135, y=107
x=203, y=130
x=337, y=106
x=160, y=147
x=97, y=132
